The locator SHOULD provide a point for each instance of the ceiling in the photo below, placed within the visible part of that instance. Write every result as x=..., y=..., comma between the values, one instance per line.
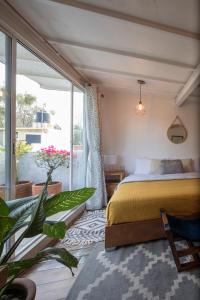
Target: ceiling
x=34, y=68
x=113, y=43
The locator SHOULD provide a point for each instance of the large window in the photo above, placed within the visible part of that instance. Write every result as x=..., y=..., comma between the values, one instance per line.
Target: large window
x=42, y=119
x=43, y=113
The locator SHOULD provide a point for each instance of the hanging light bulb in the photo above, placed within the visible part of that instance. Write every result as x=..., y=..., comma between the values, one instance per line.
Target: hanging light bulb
x=140, y=110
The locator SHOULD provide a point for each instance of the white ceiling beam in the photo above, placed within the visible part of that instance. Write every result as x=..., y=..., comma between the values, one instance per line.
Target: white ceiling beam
x=189, y=87
x=129, y=18
x=121, y=52
x=118, y=72
x=134, y=89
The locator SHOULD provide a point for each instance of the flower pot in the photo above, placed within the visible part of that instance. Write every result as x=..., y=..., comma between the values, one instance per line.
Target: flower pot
x=22, y=189
x=21, y=288
x=53, y=188
x=3, y=275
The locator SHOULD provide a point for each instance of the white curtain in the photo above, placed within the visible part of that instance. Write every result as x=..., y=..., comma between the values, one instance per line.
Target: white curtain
x=95, y=173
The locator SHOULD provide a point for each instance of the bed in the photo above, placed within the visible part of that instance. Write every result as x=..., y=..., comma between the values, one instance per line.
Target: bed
x=133, y=212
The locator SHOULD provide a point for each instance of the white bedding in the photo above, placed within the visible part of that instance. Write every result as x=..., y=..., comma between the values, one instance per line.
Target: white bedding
x=150, y=177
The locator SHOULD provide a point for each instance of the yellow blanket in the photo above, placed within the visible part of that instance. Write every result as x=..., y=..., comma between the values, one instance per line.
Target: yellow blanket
x=137, y=201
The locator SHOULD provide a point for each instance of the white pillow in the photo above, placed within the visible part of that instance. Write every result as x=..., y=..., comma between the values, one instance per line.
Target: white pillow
x=155, y=166
x=142, y=166
x=188, y=165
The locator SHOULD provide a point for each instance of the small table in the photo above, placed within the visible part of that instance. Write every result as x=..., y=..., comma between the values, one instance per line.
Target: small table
x=113, y=178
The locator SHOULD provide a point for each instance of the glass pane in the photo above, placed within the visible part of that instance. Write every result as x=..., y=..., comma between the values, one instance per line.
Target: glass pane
x=78, y=140
x=4, y=184
x=43, y=99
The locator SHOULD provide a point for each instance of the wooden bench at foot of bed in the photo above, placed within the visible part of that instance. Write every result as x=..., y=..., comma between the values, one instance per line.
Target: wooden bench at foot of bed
x=134, y=232
x=138, y=231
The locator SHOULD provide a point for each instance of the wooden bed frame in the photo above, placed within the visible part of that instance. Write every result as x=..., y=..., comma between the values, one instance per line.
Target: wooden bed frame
x=134, y=232
x=137, y=232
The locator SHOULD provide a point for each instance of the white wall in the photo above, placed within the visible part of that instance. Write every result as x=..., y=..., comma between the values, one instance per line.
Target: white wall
x=130, y=136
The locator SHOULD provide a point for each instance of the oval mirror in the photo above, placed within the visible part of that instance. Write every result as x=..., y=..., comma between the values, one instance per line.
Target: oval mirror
x=177, y=133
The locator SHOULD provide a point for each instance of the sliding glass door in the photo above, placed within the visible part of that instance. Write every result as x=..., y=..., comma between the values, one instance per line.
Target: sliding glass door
x=40, y=110
x=43, y=99
x=42, y=121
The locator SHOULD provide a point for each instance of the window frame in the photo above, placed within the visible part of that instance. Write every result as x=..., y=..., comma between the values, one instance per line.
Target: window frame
x=11, y=136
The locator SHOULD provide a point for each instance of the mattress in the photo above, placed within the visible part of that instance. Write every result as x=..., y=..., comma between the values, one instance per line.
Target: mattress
x=141, y=200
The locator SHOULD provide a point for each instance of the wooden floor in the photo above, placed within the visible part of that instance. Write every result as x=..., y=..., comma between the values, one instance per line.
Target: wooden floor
x=53, y=280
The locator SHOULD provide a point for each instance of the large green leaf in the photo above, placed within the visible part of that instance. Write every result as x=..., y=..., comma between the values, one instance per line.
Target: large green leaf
x=6, y=223
x=4, y=210
x=22, y=213
x=66, y=200
x=54, y=229
x=36, y=226
x=15, y=268
x=37, y=218
x=21, y=222
x=32, y=213
x=61, y=255
x=13, y=204
x=18, y=209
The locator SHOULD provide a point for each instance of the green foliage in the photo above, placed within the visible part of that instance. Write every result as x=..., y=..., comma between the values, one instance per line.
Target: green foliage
x=54, y=229
x=30, y=213
x=57, y=203
x=22, y=148
x=6, y=224
x=26, y=108
x=17, y=267
x=3, y=208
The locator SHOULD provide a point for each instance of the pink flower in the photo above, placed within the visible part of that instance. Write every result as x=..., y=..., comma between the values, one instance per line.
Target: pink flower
x=50, y=150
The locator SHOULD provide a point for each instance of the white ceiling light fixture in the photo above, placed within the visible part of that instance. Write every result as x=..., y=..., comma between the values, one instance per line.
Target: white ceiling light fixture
x=140, y=109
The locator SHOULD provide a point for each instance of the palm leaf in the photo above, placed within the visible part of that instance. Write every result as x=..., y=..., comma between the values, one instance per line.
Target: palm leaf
x=54, y=229
x=66, y=200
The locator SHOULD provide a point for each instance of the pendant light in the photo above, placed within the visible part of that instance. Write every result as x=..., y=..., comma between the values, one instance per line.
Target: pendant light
x=140, y=110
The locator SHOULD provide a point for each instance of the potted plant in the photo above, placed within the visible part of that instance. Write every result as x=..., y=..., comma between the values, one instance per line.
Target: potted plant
x=30, y=213
x=22, y=188
x=50, y=158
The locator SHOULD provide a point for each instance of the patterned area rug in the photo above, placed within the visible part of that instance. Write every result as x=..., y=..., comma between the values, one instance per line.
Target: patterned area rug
x=85, y=231
x=145, y=271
